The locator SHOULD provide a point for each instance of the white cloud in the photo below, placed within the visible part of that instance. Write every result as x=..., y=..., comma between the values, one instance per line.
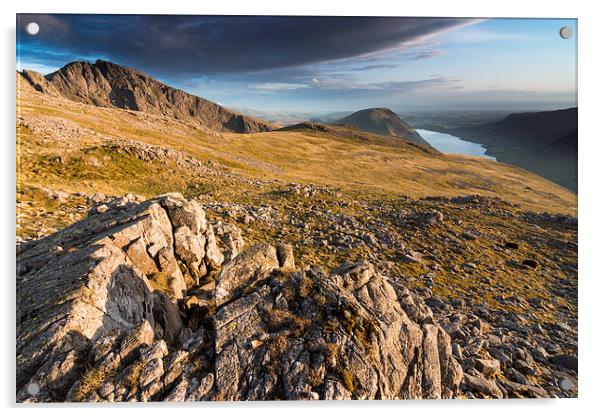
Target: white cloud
x=279, y=86
x=427, y=54
x=476, y=35
x=32, y=66
x=345, y=82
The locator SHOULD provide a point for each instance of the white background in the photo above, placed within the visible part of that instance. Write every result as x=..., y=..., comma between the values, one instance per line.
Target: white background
x=590, y=153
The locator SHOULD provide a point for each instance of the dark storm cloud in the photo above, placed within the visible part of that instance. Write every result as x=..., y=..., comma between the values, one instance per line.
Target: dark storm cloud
x=181, y=45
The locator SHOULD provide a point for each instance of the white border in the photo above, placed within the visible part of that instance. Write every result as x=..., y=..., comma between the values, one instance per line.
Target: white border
x=590, y=202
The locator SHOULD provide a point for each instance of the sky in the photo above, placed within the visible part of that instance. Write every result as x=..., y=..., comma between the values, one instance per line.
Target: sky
x=321, y=64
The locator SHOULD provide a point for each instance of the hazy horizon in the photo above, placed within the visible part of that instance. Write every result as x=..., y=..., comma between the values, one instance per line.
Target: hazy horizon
x=325, y=64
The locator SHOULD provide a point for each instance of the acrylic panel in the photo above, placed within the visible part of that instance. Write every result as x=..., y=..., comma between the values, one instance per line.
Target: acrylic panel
x=217, y=208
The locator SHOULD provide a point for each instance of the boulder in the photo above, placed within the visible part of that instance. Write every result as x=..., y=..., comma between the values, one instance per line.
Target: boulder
x=213, y=256
x=230, y=239
x=489, y=368
x=253, y=264
x=568, y=361
x=285, y=256
x=184, y=213
x=190, y=249
x=480, y=384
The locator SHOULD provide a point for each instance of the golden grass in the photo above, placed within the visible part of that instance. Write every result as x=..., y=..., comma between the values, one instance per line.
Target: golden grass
x=305, y=286
x=90, y=381
x=347, y=378
x=160, y=281
x=279, y=319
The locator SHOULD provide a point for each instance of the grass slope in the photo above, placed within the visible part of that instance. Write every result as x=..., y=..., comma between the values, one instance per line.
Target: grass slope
x=292, y=156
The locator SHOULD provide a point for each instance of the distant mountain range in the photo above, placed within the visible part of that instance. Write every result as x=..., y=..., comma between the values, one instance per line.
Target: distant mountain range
x=288, y=118
x=543, y=142
x=106, y=84
x=384, y=122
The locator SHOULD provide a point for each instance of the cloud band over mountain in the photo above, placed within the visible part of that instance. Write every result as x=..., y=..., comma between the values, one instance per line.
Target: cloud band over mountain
x=179, y=45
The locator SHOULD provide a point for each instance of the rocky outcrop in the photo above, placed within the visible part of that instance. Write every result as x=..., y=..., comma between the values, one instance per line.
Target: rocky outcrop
x=114, y=271
x=36, y=81
x=150, y=301
x=106, y=84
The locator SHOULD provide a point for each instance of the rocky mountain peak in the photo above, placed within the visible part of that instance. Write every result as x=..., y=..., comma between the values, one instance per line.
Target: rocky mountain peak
x=107, y=84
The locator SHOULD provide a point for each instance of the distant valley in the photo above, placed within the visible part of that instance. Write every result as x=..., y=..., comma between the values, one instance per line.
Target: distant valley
x=543, y=142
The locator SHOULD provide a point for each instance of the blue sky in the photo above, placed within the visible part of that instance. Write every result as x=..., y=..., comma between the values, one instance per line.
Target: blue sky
x=326, y=64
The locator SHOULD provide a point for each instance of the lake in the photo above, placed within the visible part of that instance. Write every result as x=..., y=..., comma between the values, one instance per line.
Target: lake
x=446, y=143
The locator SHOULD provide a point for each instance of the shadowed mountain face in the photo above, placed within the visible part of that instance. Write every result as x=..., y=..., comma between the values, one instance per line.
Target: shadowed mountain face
x=542, y=142
x=106, y=84
x=382, y=121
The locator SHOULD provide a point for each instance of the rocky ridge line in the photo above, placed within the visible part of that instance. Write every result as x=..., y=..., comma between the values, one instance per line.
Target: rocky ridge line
x=106, y=84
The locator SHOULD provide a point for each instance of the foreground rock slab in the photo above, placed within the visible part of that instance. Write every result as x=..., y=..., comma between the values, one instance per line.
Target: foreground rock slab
x=139, y=302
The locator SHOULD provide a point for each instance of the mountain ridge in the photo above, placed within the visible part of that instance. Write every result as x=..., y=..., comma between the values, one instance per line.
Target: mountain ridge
x=106, y=84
